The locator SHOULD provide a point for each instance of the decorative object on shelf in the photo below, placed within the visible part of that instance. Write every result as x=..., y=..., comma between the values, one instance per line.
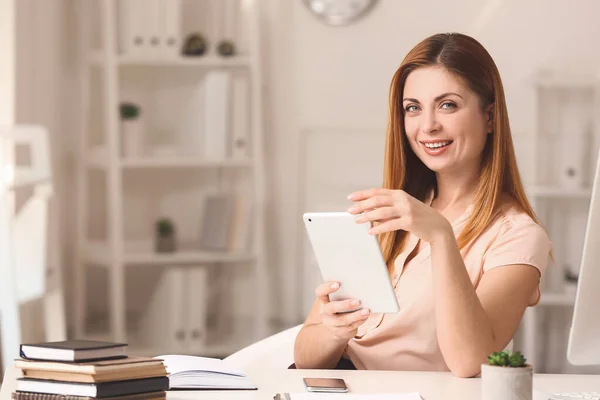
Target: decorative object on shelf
x=226, y=48
x=339, y=12
x=165, y=236
x=131, y=129
x=194, y=45
x=506, y=376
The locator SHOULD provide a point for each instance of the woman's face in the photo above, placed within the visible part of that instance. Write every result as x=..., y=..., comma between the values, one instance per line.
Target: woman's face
x=444, y=122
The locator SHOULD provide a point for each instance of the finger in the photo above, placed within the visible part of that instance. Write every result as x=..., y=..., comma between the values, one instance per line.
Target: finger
x=323, y=290
x=382, y=200
x=380, y=214
x=359, y=322
x=340, y=320
x=341, y=306
x=365, y=194
x=388, y=226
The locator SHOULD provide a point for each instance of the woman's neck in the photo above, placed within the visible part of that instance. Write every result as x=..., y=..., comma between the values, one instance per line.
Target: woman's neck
x=455, y=190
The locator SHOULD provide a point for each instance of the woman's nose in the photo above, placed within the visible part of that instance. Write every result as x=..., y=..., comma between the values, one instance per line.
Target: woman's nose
x=429, y=122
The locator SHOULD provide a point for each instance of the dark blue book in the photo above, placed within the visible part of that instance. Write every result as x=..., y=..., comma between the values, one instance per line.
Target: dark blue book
x=94, y=390
x=73, y=351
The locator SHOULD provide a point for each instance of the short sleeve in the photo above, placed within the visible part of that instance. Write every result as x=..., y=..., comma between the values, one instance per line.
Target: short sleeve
x=519, y=242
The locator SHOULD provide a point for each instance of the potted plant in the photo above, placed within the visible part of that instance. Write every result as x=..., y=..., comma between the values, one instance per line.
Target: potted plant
x=506, y=377
x=165, y=236
x=131, y=130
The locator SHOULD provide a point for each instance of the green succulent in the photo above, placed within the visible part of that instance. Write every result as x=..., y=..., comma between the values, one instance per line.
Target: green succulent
x=165, y=227
x=505, y=359
x=129, y=111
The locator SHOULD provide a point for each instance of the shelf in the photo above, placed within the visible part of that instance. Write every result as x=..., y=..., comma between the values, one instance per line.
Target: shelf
x=566, y=80
x=558, y=192
x=557, y=299
x=98, y=252
x=97, y=159
x=181, y=162
x=205, y=61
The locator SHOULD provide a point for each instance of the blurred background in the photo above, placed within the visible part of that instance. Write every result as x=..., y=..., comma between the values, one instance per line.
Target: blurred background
x=187, y=137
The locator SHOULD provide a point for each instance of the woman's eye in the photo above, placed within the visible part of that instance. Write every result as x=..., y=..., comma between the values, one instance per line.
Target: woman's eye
x=411, y=108
x=448, y=105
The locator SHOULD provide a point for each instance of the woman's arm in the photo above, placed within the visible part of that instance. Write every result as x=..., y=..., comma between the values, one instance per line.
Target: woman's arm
x=327, y=330
x=472, y=324
x=316, y=347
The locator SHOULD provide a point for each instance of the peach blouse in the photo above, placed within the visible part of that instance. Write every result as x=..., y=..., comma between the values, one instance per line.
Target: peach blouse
x=407, y=340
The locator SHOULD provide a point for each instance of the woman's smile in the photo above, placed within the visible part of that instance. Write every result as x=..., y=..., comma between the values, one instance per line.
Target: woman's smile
x=437, y=147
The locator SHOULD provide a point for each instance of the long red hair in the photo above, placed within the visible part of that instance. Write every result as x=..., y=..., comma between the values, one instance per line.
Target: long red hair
x=467, y=59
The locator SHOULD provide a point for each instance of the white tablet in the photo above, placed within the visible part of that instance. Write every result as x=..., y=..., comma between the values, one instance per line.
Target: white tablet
x=348, y=254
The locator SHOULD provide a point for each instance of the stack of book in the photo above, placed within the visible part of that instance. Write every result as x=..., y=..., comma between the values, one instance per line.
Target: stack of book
x=82, y=369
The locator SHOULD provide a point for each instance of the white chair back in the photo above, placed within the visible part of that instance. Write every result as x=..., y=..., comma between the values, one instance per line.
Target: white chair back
x=23, y=233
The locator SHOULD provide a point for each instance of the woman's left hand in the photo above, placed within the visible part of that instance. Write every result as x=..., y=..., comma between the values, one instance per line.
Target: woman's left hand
x=392, y=210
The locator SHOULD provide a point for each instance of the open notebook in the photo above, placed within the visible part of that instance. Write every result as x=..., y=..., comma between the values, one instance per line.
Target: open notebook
x=194, y=373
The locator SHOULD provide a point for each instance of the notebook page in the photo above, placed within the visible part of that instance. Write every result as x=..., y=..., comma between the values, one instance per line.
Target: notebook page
x=350, y=396
x=180, y=363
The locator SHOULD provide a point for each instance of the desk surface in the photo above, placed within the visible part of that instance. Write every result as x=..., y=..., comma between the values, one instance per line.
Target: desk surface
x=431, y=385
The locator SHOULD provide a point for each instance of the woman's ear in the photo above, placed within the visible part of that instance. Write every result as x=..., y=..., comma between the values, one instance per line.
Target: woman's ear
x=489, y=113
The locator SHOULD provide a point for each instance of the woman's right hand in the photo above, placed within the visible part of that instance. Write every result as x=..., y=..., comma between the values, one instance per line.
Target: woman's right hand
x=334, y=315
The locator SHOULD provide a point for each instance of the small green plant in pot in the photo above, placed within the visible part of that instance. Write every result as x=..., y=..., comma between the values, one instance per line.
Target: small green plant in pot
x=165, y=236
x=131, y=129
x=506, y=376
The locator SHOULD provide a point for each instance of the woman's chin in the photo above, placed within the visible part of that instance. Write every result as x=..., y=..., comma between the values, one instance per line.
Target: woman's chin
x=437, y=167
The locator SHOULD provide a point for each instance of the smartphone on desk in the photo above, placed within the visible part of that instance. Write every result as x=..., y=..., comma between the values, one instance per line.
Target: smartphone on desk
x=328, y=385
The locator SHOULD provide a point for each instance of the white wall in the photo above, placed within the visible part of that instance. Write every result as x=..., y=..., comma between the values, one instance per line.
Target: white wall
x=320, y=78
x=7, y=66
x=339, y=77
x=323, y=78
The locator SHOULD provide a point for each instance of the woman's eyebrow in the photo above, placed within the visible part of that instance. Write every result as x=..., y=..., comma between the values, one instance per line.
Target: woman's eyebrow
x=438, y=98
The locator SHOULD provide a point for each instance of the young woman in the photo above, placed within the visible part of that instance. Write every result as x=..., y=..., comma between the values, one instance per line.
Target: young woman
x=463, y=247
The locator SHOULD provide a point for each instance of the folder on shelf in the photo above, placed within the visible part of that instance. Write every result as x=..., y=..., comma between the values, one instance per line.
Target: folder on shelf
x=133, y=40
x=217, y=86
x=163, y=322
x=217, y=218
x=240, y=119
x=170, y=15
x=197, y=290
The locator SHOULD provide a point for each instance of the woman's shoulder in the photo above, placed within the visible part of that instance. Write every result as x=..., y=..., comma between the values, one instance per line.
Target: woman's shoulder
x=512, y=218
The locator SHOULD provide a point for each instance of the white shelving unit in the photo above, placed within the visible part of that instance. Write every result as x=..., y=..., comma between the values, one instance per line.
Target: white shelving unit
x=106, y=69
x=564, y=152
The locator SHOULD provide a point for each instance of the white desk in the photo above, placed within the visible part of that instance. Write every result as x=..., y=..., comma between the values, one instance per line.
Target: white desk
x=431, y=385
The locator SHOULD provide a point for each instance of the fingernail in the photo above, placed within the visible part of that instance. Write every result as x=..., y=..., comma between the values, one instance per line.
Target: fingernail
x=351, y=196
x=354, y=303
x=359, y=219
x=364, y=312
x=335, y=285
x=352, y=209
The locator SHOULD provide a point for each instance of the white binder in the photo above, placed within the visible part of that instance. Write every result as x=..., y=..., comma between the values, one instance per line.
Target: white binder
x=163, y=323
x=240, y=144
x=216, y=114
x=170, y=26
x=197, y=289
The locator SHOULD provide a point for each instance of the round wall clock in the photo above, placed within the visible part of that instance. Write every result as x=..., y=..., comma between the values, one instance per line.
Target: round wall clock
x=339, y=12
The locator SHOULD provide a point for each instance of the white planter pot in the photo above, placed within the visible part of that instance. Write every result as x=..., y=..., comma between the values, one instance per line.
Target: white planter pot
x=506, y=383
x=131, y=132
